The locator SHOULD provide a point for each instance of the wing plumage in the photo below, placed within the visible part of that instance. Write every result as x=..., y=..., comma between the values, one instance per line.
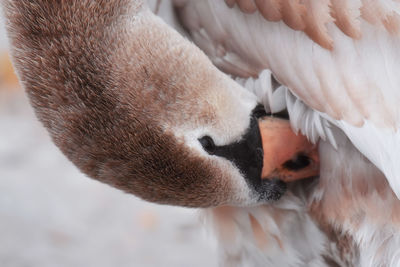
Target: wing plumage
x=313, y=16
x=345, y=65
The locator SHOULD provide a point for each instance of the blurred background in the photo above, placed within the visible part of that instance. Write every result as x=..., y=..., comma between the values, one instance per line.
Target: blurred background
x=52, y=215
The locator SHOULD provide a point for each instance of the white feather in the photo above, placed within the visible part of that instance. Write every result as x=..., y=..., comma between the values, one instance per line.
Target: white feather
x=348, y=93
x=381, y=146
x=294, y=242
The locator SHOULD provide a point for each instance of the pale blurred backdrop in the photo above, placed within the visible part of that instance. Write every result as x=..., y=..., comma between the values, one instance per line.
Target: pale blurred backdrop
x=52, y=215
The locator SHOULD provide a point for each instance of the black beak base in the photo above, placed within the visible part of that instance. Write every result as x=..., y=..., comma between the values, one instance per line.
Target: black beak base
x=247, y=155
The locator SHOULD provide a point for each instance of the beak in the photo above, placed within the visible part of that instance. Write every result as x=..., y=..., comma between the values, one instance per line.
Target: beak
x=287, y=156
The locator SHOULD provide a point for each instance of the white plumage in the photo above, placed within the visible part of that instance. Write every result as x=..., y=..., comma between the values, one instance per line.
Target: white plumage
x=354, y=83
x=338, y=63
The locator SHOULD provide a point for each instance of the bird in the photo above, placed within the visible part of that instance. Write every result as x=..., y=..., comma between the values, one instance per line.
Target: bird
x=134, y=104
x=333, y=66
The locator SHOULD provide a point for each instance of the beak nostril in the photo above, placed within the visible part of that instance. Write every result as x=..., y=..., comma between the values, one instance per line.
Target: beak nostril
x=287, y=156
x=300, y=161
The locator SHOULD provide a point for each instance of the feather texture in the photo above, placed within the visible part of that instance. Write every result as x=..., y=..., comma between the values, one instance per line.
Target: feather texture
x=282, y=234
x=312, y=16
x=338, y=63
x=355, y=82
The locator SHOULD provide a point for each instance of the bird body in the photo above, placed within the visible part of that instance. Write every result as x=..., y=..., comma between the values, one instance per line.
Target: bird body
x=336, y=63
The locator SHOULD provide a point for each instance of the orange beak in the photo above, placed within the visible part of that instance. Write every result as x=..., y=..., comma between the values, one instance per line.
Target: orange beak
x=287, y=156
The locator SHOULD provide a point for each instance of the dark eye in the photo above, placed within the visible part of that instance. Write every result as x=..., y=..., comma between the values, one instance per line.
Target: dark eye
x=259, y=111
x=208, y=144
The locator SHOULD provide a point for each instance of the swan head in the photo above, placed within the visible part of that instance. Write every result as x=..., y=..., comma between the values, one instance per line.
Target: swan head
x=133, y=104
x=175, y=131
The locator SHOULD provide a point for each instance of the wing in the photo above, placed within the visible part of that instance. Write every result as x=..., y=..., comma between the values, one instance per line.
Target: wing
x=340, y=58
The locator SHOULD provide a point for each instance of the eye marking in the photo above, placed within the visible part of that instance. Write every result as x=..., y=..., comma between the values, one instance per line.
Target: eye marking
x=208, y=144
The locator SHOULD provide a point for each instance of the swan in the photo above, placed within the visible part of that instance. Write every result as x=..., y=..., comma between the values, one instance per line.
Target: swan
x=333, y=65
x=133, y=104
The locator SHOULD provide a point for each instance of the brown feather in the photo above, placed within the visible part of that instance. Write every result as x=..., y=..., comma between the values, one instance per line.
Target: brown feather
x=230, y=3
x=376, y=13
x=293, y=14
x=247, y=6
x=372, y=11
x=91, y=80
x=347, y=17
x=260, y=236
x=270, y=9
x=318, y=15
x=392, y=23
